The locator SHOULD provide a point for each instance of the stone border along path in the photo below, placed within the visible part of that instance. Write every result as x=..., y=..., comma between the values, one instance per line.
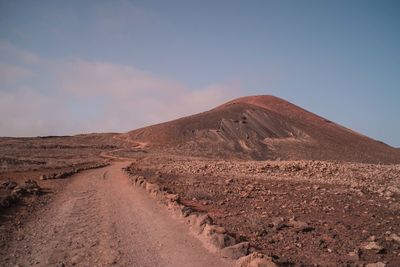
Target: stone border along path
x=61, y=175
x=100, y=219
x=213, y=237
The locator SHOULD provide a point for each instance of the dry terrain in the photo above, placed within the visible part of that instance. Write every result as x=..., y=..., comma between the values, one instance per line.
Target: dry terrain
x=24, y=160
x=299, y=188
x=87, y=225
x=299, y=212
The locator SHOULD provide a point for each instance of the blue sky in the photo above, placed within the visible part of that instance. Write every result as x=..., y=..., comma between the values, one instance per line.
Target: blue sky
x=91, y=66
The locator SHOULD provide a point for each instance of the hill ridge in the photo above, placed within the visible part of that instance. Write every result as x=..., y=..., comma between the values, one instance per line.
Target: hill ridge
x=263, y=127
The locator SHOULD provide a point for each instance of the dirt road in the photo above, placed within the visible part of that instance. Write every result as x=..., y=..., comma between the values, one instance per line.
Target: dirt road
x=100, y=219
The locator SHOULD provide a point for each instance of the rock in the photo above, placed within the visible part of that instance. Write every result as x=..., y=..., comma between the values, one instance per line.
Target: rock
x=372, y=246
x=31, y=187
x=18, y=191
x=282, y=261
x=389, y=194
x=198, y=222
x=152, y=187
x=278, y=223
x=376, y=264
x=300, y=226
x=76, y=259
x=354, y=256
x=393, y=237
x=262, y=263
x=9, y=185
x=206, y=202
x=186, y=211
x=210, y=229
x=172, y=197
x=141, y=182
x=9, y=200
x=236, y=251
x=217, y=236
x=255, y=260
x=228, y=181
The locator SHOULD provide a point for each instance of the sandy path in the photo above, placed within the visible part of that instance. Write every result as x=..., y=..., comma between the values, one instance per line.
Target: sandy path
x=100, y=219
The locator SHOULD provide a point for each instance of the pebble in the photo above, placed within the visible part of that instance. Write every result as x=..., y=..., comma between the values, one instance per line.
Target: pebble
x=371, y=246
x=354, y=255
x=376, y=264
x=393, y=237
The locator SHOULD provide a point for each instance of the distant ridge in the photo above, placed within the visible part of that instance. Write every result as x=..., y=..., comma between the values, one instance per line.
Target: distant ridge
x=263, y=127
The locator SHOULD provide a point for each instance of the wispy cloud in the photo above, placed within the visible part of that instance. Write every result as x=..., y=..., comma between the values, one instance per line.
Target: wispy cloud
x=9, y=52
x=11, y=74
x=88, y=79
x=78, y=95
x=121, y=17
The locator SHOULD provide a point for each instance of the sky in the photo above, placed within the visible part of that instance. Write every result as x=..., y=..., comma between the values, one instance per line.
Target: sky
x=69, y=67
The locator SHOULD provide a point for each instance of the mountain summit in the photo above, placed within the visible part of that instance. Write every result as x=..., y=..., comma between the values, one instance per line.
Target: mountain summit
x=263, y=127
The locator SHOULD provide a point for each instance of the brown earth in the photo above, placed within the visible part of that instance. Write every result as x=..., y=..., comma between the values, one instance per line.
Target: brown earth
x=302, y=213
x=299, y=188
x=85, y=224
x=53, y=152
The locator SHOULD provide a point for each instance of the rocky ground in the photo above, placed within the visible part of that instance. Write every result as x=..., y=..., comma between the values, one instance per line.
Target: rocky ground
x=53, y=152
x=97, y=218
x=31, y=160
x=32, y=169
x=299, y=212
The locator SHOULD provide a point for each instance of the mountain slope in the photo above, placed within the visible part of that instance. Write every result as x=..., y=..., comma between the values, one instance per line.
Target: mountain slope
x=263, y=127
